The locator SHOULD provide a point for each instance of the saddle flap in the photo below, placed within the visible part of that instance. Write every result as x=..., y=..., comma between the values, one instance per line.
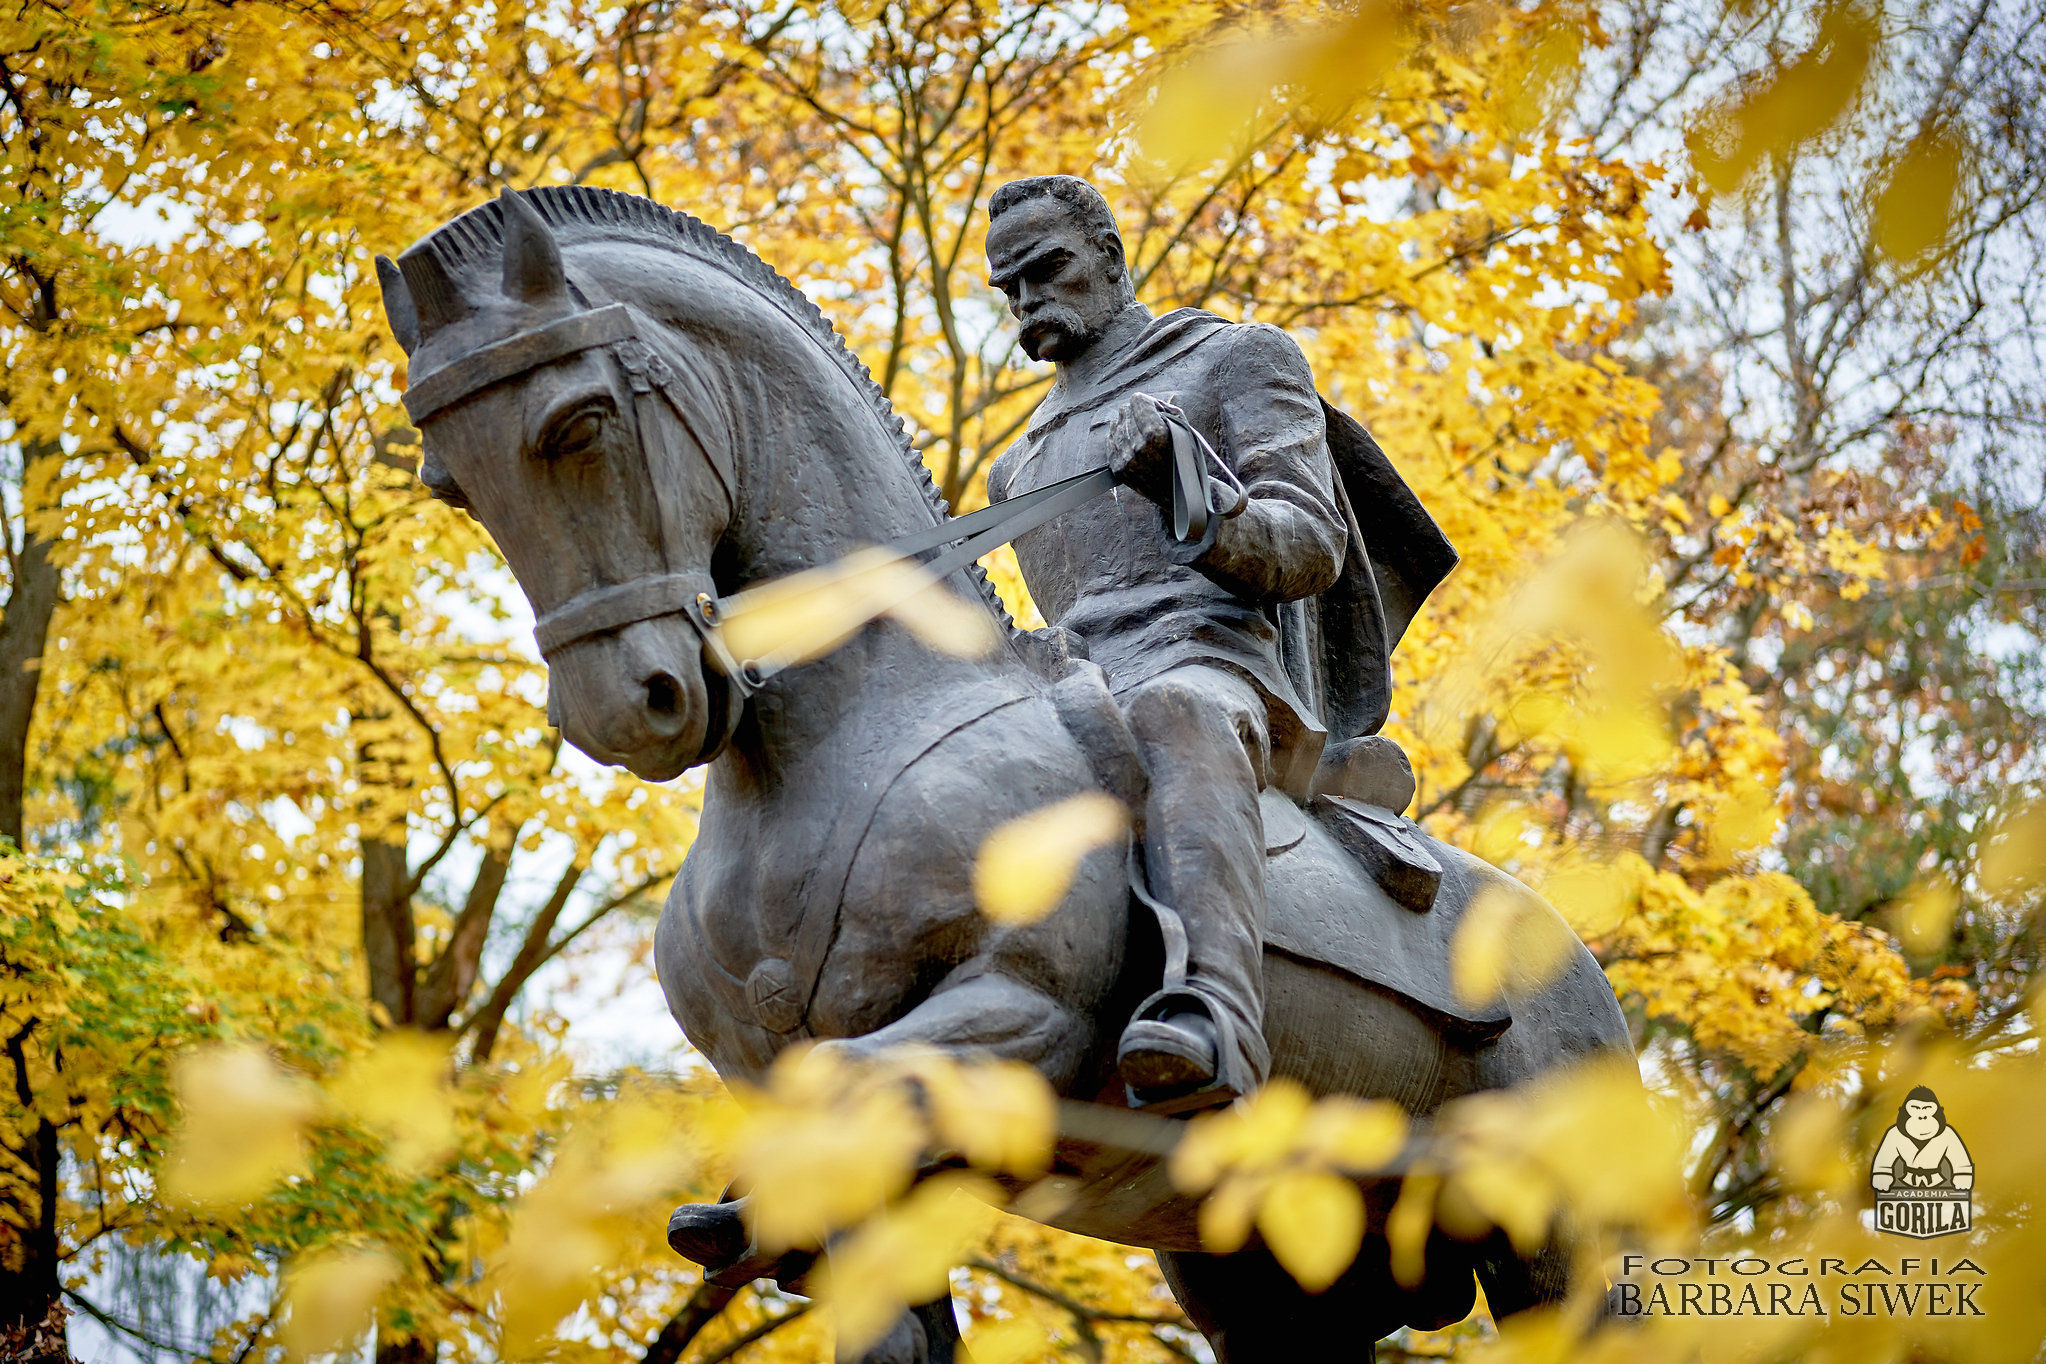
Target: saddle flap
x=1386, y=848
x=1328, y=906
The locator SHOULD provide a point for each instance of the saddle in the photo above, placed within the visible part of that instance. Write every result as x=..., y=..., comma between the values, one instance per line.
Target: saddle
x=1394, y=933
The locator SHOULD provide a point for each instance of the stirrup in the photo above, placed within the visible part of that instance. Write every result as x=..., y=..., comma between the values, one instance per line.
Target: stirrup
x=1156, y=1036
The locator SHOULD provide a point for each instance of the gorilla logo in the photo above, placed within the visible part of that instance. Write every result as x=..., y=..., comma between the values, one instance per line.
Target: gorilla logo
x=1921, y=1151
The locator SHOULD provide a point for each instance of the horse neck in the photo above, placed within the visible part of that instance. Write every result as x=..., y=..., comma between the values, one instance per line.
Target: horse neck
x=820, y=478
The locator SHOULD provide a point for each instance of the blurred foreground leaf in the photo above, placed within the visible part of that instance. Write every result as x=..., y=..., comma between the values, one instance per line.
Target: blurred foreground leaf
x=1915, y=209
x=1026, y=866
x=330, y=1298
x=807, y=615
x=244, y=1118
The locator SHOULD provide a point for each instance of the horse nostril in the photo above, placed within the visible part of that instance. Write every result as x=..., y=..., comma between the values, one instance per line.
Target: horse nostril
x=663, y=694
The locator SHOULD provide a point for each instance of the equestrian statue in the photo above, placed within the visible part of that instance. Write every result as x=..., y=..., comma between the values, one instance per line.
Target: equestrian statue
x=649, y=420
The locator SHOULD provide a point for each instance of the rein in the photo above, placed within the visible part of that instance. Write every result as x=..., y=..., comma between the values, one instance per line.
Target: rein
x=600, y=610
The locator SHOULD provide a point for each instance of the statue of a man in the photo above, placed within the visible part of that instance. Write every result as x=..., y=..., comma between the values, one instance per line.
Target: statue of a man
x=1188, y=634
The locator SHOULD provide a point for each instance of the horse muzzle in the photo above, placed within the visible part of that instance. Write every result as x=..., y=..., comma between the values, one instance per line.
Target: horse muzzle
x=640, y=698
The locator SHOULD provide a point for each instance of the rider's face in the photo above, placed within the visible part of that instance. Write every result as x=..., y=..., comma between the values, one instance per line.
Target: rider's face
x=1060, y=286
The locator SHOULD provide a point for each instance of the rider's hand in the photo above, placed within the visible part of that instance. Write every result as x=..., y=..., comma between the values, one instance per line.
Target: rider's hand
x=1140, y=449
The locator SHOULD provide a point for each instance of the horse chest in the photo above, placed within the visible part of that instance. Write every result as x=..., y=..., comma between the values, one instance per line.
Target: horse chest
x=764, y=897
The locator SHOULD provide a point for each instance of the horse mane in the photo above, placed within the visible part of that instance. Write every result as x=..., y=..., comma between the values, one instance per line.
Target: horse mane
x=476, y=238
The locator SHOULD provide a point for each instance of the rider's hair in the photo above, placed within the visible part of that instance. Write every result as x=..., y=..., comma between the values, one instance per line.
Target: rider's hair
x=1081, y=200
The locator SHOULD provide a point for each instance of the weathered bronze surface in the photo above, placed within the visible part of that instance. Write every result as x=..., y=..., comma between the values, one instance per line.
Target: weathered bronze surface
x=648, y=419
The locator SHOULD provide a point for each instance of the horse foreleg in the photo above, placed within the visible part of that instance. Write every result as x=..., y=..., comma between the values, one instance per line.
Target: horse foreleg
x=984, y=1012
x=1515, y=1283
x=714, y=1235
x=927, y=1334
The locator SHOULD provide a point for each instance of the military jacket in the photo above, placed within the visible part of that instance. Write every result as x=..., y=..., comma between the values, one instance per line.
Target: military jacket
x=1111, y=571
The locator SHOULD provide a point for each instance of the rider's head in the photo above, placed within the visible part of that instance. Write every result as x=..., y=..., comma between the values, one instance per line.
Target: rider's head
x=1053, y=249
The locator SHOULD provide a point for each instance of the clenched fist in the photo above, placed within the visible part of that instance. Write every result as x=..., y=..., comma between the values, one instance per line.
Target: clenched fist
x=1140, y=448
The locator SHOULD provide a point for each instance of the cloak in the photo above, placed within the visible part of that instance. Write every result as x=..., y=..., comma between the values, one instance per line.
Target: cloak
x=1337, y=647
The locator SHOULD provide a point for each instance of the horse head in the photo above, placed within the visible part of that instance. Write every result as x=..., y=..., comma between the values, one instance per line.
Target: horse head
x=647, y=418
x=563, y=418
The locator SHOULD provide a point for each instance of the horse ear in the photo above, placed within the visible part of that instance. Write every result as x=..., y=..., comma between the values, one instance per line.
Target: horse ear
x=398, y=309
x=532, y=261
x=435, y=299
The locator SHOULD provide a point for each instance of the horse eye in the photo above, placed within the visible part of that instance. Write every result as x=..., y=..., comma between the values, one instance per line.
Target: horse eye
x=577, y=431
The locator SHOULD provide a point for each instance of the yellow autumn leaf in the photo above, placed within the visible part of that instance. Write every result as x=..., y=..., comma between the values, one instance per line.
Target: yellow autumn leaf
x=231, y=1268
x=1252, y=1134
x=1000, y=1115
x=1508, y=944
x=1503, y=1190
x=1592, y=897
x=400, y=1087
x=1600, y=1105
x=1810, y=1141
x=1924, y=915
x=1026, y=866
x=1010, y=1341
x=615, y=1172
x=2013, y=855
x=241, y=1129
x=946, y=623
x=1915, y=210
x=1547, y=76
x=549, y=1263
x=1801, y=98
x=1502, y=832
x=1225, y=97
x=902, y=1255
x=822, y=1148
x=1356, y=1135
x=1408, y=1225
x=807, y=615
x=1622, y=741
x=1228, y=1213
x=330, y=1298
x=1745, y=821
x=1313, y=1222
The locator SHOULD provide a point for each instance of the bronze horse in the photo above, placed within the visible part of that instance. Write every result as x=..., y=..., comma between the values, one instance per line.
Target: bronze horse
x=648, y=419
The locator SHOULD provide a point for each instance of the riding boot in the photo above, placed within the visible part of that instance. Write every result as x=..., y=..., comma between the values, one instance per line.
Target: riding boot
x=1204, y=736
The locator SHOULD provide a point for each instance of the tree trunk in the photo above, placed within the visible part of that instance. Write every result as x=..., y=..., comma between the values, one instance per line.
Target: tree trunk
x=453, y=974
x=387, y=929
x=404, y=1349
x=23, y=633
x=31, y=1297
x=31, y=1302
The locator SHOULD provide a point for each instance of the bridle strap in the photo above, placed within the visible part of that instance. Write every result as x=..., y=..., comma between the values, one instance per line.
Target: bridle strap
x=613, y=608
x=513, y=356
x=652, y=380
x=604, y=609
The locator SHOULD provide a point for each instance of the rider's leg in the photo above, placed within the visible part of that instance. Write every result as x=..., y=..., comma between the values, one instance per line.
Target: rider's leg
x=1205, y=739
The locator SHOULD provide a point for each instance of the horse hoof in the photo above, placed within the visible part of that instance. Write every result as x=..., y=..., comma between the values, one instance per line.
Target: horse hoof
x=713, y=1235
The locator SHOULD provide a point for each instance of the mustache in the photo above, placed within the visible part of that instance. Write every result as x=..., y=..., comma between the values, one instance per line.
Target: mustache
x=1055, y=317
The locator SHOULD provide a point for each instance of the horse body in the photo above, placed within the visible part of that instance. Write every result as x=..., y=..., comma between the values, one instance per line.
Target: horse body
x=828, y=895
x=861, y=924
